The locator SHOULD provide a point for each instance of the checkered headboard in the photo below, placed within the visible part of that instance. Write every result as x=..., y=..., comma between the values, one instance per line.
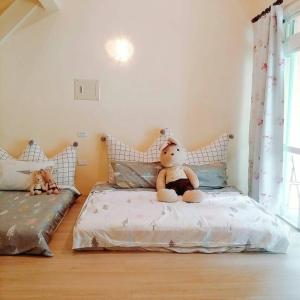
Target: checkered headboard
x=119, y=151
x=212, y=153
x=65, y=166
x=64, y=162
x=33, y=152
x=4, y=155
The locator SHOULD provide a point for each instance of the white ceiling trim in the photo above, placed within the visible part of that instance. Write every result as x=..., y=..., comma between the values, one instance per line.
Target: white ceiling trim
x=14, y=17
x=49, y=5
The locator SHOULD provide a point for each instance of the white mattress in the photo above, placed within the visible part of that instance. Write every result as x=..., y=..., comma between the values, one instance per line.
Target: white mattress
x=222, y=222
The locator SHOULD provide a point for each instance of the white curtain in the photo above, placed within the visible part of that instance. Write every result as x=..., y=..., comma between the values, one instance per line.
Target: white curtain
x=267, y=111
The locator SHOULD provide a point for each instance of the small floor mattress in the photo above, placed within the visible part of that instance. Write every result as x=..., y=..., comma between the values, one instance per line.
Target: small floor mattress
x=27, y=223
x=225, y=221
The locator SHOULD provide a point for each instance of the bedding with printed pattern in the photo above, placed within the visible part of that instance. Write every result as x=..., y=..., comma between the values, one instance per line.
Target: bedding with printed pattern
x=28, y=222
x=225, y=221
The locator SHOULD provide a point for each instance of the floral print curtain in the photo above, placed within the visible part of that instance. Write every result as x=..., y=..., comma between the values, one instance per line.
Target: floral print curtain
x=267, y=111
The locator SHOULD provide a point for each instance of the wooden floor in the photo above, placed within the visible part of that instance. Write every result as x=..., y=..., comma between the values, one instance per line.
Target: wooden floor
x=126, y=275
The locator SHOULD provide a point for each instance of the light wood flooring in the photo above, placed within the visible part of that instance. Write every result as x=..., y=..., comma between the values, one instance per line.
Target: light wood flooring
x=136, y=275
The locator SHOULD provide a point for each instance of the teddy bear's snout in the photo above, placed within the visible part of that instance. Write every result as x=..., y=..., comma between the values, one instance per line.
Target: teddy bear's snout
x=172, y=153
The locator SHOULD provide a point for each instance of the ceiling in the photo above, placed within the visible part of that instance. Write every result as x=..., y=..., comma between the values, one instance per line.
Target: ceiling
x=252, y=7
x=4, y=4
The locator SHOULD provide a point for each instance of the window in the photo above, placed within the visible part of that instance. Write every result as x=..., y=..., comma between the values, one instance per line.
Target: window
x=290, y=208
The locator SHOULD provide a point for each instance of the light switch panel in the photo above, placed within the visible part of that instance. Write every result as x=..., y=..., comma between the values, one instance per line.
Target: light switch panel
x=86, y=89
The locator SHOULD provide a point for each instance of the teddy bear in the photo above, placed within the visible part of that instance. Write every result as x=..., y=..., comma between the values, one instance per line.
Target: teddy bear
x=52, y=187
x=38, y=185
x=175, y=179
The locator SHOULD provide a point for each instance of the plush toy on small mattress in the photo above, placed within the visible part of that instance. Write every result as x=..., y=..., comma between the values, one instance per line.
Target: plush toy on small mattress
x=175, y=179
x=52, y=187
x=38, y=185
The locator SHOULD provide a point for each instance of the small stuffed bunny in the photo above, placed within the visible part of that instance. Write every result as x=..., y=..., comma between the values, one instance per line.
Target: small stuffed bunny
x=38, y=185
x=52, y=187
x=175, y=179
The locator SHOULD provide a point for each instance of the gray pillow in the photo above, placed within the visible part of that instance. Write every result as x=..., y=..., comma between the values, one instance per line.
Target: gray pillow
x=135, y=174
x=144, y=175
x=211, y=176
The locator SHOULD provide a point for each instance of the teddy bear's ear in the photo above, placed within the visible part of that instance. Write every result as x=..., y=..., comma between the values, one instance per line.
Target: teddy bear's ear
x=164, y=145
x=172, y=141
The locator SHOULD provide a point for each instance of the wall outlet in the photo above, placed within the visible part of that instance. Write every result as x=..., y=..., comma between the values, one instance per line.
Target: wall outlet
x=82, y=134
x=82, y=162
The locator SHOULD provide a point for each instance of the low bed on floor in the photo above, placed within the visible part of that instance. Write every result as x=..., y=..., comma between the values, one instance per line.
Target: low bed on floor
x=225, y=221
x=27, y=223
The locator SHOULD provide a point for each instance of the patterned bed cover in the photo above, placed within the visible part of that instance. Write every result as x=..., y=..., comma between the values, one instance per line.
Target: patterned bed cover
x=225, y=221
x=28, y=222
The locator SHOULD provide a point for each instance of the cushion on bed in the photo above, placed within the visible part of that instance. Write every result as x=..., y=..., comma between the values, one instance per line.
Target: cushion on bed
x=119, y=151
x=16, y=175
x=64, y=162
x=215, y=152
x=134, y=174
x=211, y=175
x=144, y=175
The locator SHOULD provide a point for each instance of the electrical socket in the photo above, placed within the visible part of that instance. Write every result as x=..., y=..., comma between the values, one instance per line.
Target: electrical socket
x=82, y=162
x=82, y=134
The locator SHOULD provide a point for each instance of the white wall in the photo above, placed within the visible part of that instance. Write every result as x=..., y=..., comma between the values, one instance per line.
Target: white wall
x=191, y=71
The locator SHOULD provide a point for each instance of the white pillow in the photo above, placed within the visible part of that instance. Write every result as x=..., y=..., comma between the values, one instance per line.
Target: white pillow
x=212, y=153
x=119, y=151
x=64, y=162
x=16, y=175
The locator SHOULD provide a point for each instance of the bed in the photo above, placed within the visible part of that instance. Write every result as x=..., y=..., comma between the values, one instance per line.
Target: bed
x=225, y=221
x=27, y=223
